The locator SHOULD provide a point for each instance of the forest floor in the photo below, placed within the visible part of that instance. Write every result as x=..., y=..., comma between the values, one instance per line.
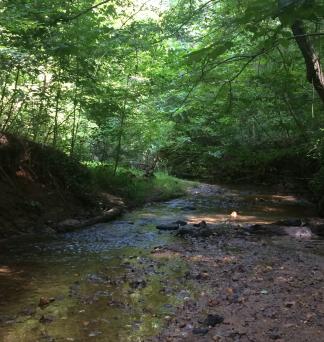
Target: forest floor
x=231, y=278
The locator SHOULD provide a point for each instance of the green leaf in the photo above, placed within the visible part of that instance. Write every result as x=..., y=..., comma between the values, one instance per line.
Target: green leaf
x=212, y=51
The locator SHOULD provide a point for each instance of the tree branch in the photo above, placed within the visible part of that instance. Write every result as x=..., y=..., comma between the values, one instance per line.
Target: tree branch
x=76, y=16
x=187, y=21
x=134, y=14
x=307, y=35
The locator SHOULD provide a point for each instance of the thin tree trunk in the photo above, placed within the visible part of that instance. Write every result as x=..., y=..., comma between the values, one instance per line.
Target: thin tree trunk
x=12, y=100
x=3, y=94
x=123, y=115
x=47, y=136
x=57, y=103
x=315, y=74
x=15, y=116
x=120, y=137
x=121, y=130
x=75, y=103
x=40, y=109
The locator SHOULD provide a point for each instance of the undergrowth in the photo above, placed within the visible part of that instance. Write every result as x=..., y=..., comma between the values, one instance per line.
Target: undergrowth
x=133, y=186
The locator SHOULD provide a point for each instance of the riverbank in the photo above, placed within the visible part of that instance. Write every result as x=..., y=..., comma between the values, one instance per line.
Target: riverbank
x=247, y=290
x=250, y=285
x=43, y=190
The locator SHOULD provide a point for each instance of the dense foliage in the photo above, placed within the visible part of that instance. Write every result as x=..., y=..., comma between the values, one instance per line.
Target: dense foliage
x=226, y=88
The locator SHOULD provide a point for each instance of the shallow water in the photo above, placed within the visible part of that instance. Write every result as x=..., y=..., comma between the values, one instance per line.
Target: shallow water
x=106, y=283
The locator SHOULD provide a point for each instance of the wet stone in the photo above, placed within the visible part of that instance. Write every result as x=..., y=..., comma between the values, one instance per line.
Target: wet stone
x=290, y=304
x=46, y=338
x=212, y=320
x=96, y=279
x=200, y=331
x=95, y=333
x=201, y=224
x=28, y=311
x=189, y=207
x=168, y=227
x=74, y=290
x=46, y=319
x=138, y=284
x=180, y=223
x=45, y=301
x=274, y=334
x=5, y=319
x=202, y=276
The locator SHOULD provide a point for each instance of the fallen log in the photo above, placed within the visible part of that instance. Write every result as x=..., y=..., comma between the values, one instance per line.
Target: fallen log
x=73, y=224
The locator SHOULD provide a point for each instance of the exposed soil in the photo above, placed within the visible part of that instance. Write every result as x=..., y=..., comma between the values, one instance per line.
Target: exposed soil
x=40, y=187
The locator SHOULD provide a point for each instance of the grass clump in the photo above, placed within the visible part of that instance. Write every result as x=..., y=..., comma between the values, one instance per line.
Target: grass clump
x=133, y=186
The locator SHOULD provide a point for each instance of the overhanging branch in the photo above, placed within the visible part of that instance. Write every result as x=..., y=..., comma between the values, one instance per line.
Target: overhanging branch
x=77, y=15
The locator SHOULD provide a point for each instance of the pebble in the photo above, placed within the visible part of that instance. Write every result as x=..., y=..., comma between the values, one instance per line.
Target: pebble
x=213, y=320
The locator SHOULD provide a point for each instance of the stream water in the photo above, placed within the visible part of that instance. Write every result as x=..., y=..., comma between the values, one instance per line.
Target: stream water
x=103, y=282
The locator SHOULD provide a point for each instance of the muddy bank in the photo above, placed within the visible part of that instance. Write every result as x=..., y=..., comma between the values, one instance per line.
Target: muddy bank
x=129, y=281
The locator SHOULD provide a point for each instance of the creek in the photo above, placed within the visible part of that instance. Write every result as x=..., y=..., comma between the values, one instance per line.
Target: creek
x=103, y=283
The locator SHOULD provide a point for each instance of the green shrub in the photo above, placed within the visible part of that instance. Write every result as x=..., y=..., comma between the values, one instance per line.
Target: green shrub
x=133, y=186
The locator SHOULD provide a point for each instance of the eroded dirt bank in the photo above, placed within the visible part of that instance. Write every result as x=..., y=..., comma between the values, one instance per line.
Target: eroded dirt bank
x=224, y=279
x=41, y=187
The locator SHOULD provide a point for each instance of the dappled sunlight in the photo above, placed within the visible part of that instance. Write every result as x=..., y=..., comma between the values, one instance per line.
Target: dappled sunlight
x=268, y=209
x=282, y=280
x=148, y=215
x=279, y=198
x=199, y=257
x=222, y=218
x=24, y=174
x=4, y=140
x=165, y=253
x=5, y=270
x=213, y=260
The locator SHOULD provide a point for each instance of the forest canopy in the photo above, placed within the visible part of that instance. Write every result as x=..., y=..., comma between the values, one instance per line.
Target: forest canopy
x=211, y=87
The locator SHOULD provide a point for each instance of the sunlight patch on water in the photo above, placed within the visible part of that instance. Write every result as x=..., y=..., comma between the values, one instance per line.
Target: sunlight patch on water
x=225, y=218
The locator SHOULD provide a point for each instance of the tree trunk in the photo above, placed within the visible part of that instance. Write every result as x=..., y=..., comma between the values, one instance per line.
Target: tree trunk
x=120, y=137
x=41, y=110
x=121, y=129
x=3, y=94
x=12, y=101
x=56, y=125
x=74, y=131
x=315, y=75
